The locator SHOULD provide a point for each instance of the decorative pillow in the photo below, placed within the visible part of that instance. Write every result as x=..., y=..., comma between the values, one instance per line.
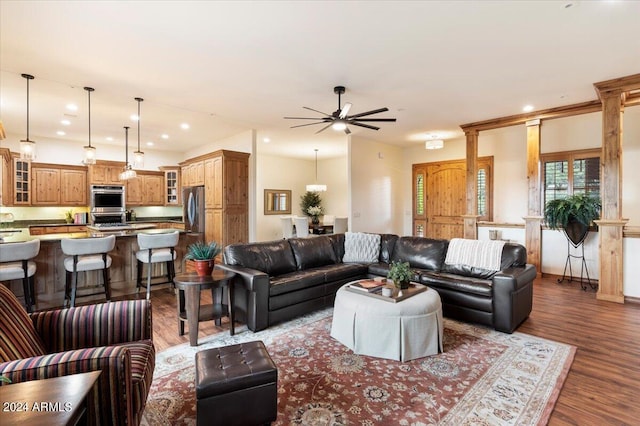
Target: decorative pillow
x=18, y=337
x=360, y=247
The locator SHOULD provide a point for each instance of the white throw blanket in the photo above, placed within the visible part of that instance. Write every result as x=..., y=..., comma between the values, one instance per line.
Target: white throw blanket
x=481, y=254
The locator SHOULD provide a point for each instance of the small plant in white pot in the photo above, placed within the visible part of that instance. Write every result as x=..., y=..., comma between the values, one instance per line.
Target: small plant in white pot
x=203, y=256
x=401, y=274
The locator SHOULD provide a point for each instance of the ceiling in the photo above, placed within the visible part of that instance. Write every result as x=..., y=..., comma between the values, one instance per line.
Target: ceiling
x=226, y=67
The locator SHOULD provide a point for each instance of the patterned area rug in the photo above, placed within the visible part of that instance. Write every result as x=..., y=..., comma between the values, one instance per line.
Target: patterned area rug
x=483, y=377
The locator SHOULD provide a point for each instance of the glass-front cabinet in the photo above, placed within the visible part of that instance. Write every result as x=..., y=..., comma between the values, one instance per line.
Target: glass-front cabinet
x=172, y=186
x=21, y=181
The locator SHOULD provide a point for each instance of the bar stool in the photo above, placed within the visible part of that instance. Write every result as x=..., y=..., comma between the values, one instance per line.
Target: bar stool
x=156, y=248
x=16, y=264
x=86, y=254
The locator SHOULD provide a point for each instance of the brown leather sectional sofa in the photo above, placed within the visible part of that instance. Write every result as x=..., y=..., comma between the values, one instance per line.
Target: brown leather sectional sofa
x=283, y=279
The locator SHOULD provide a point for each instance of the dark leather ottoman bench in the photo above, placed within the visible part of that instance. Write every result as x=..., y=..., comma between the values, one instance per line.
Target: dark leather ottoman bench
x=236, y=385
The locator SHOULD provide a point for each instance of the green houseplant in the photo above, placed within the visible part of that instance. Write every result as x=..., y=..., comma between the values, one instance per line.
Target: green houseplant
x=203, y=256
x=68, y=216
x=401, y=274
x=574, y=215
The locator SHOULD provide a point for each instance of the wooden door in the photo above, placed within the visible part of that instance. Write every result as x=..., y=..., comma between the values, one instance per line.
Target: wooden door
x=446, y=199
x=439, y=197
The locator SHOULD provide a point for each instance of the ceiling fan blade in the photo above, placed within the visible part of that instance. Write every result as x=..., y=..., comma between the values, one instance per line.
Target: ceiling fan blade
x=308, y=124
x=362, y=114
x=305, y=118
x=345, y=110
x=355, y=123
x=374, y=119
x=324, y=128
x=315, y=110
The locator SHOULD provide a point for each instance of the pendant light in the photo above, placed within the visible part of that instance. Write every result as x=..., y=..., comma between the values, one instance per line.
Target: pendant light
x=27, y=146
x=89, y=151
x=138, y=156
x=316, y=187
x=128, y=172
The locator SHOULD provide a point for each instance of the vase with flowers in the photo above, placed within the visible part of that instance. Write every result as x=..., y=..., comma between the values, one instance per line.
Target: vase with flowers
x=315, y=212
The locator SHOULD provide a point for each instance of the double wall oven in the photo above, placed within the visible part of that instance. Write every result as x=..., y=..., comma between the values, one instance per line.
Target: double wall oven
x=107, y=204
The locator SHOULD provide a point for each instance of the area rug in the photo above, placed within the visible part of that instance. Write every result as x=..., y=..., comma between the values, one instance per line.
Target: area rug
x=483, y=377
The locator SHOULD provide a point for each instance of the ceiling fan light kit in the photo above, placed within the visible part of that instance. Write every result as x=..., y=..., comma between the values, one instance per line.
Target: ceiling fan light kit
x=340, y=120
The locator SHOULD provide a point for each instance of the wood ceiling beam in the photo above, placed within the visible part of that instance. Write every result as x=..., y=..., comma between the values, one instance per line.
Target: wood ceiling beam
x=625, y=84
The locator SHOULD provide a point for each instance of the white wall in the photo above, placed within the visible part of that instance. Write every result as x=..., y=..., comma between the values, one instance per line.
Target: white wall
x=631, y=167
x=377, y=180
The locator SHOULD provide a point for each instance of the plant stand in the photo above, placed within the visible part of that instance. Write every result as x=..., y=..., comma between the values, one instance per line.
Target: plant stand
x=583, y=268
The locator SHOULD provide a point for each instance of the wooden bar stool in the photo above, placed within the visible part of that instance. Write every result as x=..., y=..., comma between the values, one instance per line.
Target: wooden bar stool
x=86, y=254
x=16, y=264
x=156, y=248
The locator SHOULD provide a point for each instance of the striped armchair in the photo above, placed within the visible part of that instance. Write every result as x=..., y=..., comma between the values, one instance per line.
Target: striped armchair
x=112, y=337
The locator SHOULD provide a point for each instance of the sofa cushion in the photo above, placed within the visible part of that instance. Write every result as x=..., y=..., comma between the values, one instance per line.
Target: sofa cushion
x=457, y=283
x=312, y=252
x=360, y=247
x=271, y=257
x=337, y=241
x=512, y=255
x=387, y=243
x=297, y=280
x=18, y=337
x=420, y=252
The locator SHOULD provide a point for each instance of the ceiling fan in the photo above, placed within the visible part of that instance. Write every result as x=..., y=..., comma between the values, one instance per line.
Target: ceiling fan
x=339, y=119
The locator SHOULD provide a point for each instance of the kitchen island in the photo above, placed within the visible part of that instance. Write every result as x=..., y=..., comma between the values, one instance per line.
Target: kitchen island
x=50, y=274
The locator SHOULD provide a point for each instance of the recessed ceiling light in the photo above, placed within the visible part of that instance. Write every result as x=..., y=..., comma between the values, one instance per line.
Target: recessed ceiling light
x=134, y=117
x=72, y=107
x=65, y=122
x=150, y=143
x=527, y=108
x=60, y=133
x=266, y=140
x=109, y=138
x=184, y=126
x=164, y=136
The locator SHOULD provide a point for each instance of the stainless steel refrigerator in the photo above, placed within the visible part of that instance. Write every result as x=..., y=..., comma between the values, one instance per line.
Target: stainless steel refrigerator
x=193, y=209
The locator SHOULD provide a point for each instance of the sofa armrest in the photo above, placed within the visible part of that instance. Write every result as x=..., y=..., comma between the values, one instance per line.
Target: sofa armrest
x=102, y=324
x=113, y=386
x=251, y=295
x=512, y=297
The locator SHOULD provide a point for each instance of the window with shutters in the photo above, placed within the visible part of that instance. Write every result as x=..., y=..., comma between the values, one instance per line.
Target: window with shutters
x=571, y=172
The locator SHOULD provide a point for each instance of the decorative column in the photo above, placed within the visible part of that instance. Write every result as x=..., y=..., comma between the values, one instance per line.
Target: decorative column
x=471, y=218
x=611, y=224
x=533, y=220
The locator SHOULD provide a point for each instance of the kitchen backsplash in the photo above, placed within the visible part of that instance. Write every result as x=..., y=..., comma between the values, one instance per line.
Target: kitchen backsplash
x=58, y=213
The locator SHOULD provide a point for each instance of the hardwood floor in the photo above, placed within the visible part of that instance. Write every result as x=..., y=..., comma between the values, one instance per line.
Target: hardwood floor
x=603, y=385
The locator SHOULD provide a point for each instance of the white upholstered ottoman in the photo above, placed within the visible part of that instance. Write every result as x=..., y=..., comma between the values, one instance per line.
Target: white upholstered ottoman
x=406, y=330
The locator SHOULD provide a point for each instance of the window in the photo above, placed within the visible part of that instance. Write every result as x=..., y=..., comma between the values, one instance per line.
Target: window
x=571, y=172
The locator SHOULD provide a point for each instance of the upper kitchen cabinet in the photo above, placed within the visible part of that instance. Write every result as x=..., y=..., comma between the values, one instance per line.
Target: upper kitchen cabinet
x=172, y=186
x=193, y=173
x=21, y=175
x=5, y=176
x=58, y=185
x=145, y=190
x=106, y=173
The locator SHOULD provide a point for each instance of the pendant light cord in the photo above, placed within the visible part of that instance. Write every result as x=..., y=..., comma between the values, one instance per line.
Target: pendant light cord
x=89, y=90
x=317, y=164
x=126, y=146
x=28, y=77
x=139, y=100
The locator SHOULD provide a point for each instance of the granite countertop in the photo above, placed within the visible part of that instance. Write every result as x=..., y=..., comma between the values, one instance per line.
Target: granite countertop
x=21, y=235
x=18, y=224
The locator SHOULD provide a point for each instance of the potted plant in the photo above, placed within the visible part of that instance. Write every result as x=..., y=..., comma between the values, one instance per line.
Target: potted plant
x=310, y=199
x=203, y=256
x=574, y=215
x=401, y=274
x=68, y=216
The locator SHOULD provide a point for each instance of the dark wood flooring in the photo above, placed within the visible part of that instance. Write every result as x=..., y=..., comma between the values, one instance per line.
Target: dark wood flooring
x=603, y=385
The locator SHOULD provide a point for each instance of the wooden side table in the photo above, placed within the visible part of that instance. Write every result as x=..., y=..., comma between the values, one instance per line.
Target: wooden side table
x=56, y=401
x=188, y=300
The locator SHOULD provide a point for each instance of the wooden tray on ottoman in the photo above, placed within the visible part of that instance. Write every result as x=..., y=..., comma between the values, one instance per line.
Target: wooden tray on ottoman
x=396, y=296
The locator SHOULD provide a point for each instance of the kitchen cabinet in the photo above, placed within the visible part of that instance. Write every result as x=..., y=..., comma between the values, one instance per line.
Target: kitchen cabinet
x=58, y=185
x=145, y=190
x=225, y=176
x=21, y=181
x=5, y=176
x=106, y=173
x=172, y=188
x=56, y=229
